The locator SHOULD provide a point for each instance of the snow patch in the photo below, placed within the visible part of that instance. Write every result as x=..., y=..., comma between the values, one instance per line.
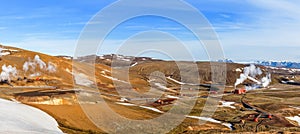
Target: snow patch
x=238, y=70
x=134, y=64
x=181, y=83
x=176, y=81
x=125, y=104
x=161, y=86
x=114, y=79
x=227, y=104
x=123, y=99
x=68, y=70
x=35, y=74
x=68, y=58
x=211, y=120
x=227, y=125
x=205, y=119
x=103, y=72
x=295, y=118
x=172, y=97
x=13, y=50
x=20, y=118
x=144, y=107
x=152, y=109
x=298, y=108
x=82, y=79
x=4, y=53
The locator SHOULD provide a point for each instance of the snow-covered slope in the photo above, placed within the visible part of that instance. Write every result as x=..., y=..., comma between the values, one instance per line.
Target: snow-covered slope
x=20, y=118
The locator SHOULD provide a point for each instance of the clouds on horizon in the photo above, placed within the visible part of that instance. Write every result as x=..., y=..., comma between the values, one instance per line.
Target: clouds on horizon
x=248, y=30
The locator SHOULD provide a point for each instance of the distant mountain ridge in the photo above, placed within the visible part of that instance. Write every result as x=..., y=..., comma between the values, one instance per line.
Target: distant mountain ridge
x=107, y=59
x=278, y=64
x=283, y=64
x=226, y=61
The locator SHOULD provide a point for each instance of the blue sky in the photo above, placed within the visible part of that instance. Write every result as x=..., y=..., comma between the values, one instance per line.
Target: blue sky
x=248, y=30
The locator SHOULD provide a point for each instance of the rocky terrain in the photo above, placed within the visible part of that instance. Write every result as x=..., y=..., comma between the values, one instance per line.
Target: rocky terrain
x=66, y=89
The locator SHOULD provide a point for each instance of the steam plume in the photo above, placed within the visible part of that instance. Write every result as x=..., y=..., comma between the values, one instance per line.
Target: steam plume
x=31, y=65
x=8, y=72
x=266, y=80
x=41, y=63
x=251, y=72
x=51, y=67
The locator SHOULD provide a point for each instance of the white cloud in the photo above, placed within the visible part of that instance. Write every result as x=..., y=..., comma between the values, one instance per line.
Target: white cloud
x=277, y=24
x=288, y=8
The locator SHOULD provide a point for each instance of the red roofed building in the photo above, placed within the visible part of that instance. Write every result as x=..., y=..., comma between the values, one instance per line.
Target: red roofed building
x=240, y=91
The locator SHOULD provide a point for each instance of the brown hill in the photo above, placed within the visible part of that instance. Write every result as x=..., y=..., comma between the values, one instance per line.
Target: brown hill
x=56, y=91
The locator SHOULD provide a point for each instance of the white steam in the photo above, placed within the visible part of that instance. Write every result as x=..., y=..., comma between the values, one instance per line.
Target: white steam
x=31, y=65
x=26, y=66
x=240, y=80
x=51, y=67
x=8, y=72
x=39, y=62
x=250, y=72
x=266, y=80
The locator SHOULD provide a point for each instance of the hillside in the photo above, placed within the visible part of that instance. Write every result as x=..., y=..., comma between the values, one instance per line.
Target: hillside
x=66, y=90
